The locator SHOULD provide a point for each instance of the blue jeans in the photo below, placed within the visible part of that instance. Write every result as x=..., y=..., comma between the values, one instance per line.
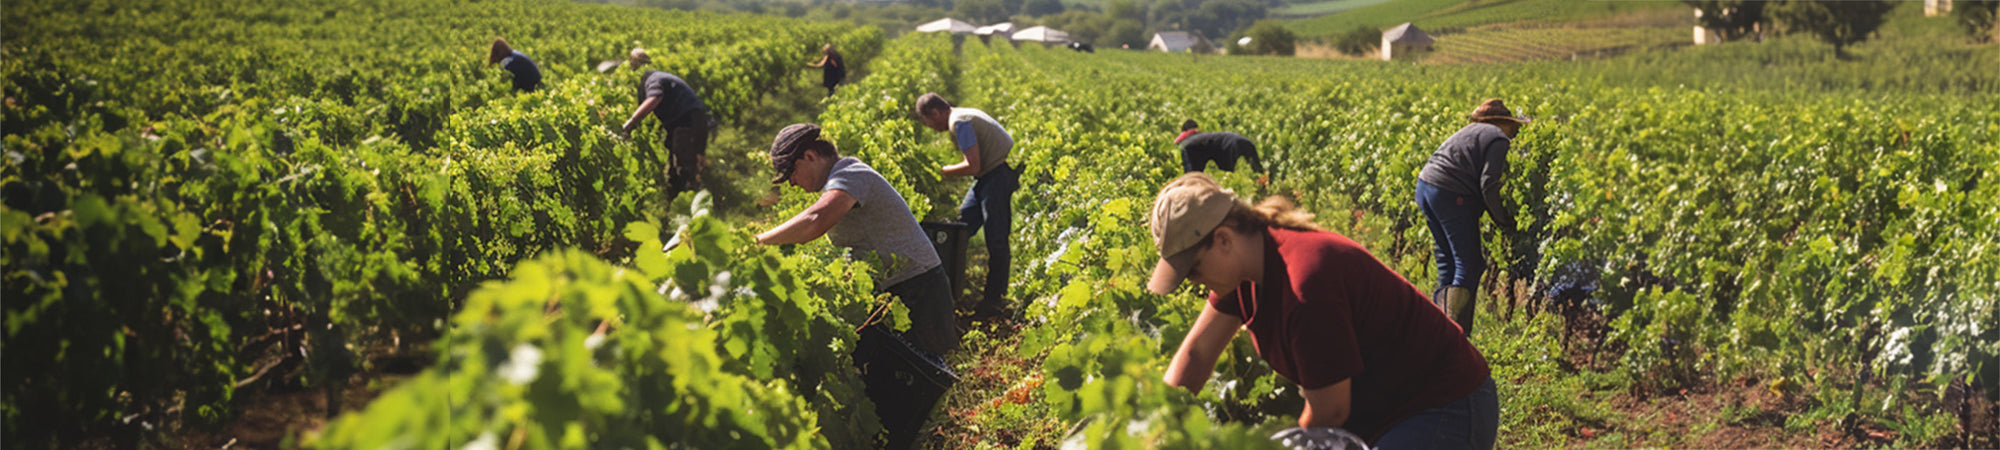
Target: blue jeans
x=990, y=204
x=1472, y=422
x=1454, y=224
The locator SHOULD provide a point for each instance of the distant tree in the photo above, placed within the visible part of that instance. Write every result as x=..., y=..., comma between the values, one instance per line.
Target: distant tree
x=1126, y=32
x=1040, y=8
x=1841, y=23
x=1980, y=18
x=1126, y=9
x=1270, y=37
x=980, y=11
x=1358, y=41
x=1013, y=6
x=1220, y=17
x=1082, y=26
x=1167, y=15
x=1729, y=19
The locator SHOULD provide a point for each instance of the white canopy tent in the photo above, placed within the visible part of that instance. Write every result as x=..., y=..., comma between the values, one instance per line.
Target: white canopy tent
x=1042, y=34
x=950, y=25
x=1002, y=29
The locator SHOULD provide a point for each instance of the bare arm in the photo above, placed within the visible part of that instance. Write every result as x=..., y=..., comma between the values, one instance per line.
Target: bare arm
x=640, y=114
x=811, y=223
x=1327, y=406
x=1204, y=345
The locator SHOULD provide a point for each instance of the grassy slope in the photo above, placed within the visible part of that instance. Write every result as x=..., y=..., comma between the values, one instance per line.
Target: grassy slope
x=1315, y=9
x=1449, y=15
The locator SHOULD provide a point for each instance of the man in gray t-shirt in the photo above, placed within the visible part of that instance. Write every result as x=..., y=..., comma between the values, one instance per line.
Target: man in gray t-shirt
x=860, y=210
x=879, y=222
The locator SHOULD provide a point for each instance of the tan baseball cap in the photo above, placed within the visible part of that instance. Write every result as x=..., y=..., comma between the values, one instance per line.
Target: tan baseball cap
x=1185, y=212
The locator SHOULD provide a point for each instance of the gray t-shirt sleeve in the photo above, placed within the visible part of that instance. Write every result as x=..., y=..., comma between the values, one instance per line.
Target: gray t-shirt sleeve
x=880, y=223
x=845, y=180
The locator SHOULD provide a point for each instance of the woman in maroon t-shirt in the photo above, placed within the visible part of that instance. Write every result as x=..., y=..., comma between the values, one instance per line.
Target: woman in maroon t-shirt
x=1371, y=354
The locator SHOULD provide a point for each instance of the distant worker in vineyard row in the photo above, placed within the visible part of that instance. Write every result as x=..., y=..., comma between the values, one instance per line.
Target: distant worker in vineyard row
x=527, y=75
x=990, y=202
x=833, y=70
x=860, y=210
x=682, y=115
x=1370, y=354
x=1222, y=148
x=1462, y=181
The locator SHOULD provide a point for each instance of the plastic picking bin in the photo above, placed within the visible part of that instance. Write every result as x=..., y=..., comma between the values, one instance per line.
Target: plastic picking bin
x=950, y=240
x=904, y=383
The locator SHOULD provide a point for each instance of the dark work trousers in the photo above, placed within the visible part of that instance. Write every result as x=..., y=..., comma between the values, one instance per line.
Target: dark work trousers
x=686, y=145
x=933, y=326
x=1472, y=422
x=1454, y=224
x=990, y=204
x=831, y=77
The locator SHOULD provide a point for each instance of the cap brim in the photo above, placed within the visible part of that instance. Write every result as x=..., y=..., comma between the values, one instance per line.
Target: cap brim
x=1170, y=272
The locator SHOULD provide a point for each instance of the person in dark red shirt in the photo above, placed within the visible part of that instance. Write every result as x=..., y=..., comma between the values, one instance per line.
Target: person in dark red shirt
x=1369, y=352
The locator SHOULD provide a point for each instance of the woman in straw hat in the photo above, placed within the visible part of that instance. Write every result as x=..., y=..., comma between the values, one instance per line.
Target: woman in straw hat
x=1461, y=182
x=1372, y=355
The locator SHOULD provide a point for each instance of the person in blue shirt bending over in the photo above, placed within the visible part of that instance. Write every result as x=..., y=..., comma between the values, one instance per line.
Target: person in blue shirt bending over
x=527, y=75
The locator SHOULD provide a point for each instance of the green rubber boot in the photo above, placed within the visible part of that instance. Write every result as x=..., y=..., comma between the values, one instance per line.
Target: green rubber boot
x=1458, y=305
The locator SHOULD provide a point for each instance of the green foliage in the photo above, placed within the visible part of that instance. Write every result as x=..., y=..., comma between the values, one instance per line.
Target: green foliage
x=1839, y=24
x=1040, y=8
x=1268, y=37
x=510, y=375
x=200, y=189
x=714, y=343
x=1449, y=16
x=1729, y=19
x=1736, y=240
x=875, y=120
x=1359, y=41
x=1500, y=45
x=1979, y=18
x=1082, y=25
x=1218, y=18
x=980, y=11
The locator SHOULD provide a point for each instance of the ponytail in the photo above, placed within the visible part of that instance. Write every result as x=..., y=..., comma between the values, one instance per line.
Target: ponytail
x=1274, y=211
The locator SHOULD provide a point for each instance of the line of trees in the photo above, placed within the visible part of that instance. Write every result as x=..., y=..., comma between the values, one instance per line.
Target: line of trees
x=1838, y=23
